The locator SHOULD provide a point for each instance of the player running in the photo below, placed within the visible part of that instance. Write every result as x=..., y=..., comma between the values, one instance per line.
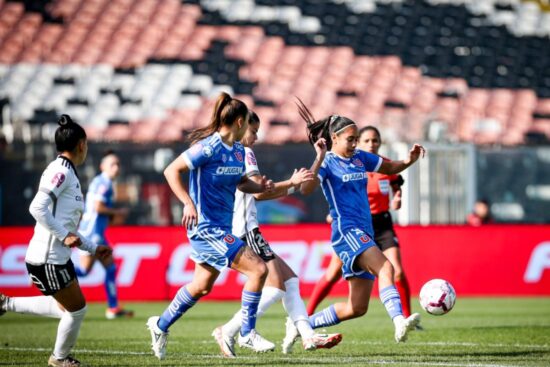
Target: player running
x=378, y=190
x=216, y=164
x=282, y=282
x=57, y=207
x=99, y=207
x=342, y=174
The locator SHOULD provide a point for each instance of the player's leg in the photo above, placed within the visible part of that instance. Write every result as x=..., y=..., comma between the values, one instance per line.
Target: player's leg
x=401, y=283
x=298, y=321
x=374, y=261
x=186, y=297
x=113, y=309
x=38, y=306
x=272, y=292
x=251, y=265
x=87, y=262
x=324, y=285
x=72, y=300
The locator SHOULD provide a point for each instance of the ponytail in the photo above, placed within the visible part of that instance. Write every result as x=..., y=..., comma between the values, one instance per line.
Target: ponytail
x=68, y=134
x=226, y=111
x=322, y=128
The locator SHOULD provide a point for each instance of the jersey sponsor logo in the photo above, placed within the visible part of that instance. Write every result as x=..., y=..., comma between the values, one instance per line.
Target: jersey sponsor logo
x=229, y=170
x=250, y=159
x=354, y=176
x=357, y=162
x=239, y=156
x=229, y=239
x=58, y=179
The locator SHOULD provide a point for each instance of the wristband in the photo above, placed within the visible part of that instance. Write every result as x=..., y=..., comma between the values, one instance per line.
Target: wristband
x=291, y=190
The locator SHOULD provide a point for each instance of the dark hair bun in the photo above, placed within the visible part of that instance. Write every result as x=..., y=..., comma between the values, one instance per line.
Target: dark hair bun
x=65, y=120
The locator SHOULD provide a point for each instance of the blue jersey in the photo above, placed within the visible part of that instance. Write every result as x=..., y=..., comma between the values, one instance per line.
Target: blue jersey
x=93, y=224
x=344, y=182
x=216, y=170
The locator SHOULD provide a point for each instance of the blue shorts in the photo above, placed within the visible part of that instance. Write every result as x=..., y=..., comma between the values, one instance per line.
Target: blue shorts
x=352, y=244
x=215, y=247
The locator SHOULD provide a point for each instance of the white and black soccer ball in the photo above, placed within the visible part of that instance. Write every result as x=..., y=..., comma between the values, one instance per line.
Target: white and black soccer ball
x=437, y=297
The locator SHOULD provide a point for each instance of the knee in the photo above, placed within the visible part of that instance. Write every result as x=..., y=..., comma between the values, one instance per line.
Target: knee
x=262, y=271
x=398, y=274
x=198, y=290
x=387, y=270
x=357, y=310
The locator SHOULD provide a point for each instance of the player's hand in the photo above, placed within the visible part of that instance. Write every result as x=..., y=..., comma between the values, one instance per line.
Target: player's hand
x=190, y=217
x=72, y=240
x=300, y=176
x=416, y=152
x=103, y=252
x=267, y=185
x=396, y=201
x=320, y=148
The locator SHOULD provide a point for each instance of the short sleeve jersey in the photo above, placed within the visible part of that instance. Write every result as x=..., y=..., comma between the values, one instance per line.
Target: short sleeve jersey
x=245, y=215
x=378, y=190
x=101, y=189
x=343, y=181
x=216, y=170
x=60, y=181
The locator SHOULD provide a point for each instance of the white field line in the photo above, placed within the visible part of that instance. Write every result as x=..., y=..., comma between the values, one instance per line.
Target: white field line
x=323, y=359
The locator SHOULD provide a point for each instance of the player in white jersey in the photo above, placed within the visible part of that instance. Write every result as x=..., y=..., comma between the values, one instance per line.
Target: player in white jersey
x=215, y=161
x=342, y=174
x=282, y=282
x=57, y=208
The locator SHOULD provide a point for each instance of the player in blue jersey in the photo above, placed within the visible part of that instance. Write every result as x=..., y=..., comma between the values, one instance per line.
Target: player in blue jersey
x=99, y=209
x=342, y=174
x=216, y=165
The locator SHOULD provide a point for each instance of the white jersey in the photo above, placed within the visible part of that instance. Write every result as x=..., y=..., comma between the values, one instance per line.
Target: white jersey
x=245, y=217
x=57, y=208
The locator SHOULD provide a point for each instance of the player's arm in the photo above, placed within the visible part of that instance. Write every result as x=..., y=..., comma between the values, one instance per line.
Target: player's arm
x=255, y=186
x=172, y=173
x=397, y=192
x=321, y=149
x=101, y=208
x=394, y=167
x=286, y=187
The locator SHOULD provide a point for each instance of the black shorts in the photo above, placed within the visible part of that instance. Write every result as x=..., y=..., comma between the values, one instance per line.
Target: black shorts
x=51, y=278
x=258, y=244
x=384, y=234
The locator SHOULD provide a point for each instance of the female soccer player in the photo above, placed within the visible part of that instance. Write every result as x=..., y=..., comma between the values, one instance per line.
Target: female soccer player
x=342, y=176
x=378, y=190
x=57, y=208
x=216, y=164
x=99, y=206
x=282, y=282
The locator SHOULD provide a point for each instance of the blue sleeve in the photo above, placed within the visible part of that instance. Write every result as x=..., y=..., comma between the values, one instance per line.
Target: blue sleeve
x=371, y=161
x=197, y=155
x=322, y=174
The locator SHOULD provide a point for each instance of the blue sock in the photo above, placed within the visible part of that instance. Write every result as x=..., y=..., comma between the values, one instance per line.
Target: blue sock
x=110, y=286
x=179, y=305
x=392, y=302
x=249, y=308
x=80, y=272
x=326, y=317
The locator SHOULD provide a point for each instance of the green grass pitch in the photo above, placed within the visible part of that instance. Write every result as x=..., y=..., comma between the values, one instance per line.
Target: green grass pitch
x=479, y=332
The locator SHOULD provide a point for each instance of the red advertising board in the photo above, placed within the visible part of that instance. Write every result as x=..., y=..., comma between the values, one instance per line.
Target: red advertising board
x=154, y=262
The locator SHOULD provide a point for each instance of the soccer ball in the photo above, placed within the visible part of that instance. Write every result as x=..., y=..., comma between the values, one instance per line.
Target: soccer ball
x=437, y=297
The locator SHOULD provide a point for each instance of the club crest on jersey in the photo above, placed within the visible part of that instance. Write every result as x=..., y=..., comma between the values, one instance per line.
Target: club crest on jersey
x=364, y=238
x=229, y=239
x=239, y=156
x=224, y=158
x=250, y=159
x=58, y=179
x=357, y=162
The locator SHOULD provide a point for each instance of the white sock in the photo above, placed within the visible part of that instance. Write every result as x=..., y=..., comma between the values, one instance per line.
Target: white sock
x=295, y=308
x=270, y=295
x=41, y=306
x=67, y=332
